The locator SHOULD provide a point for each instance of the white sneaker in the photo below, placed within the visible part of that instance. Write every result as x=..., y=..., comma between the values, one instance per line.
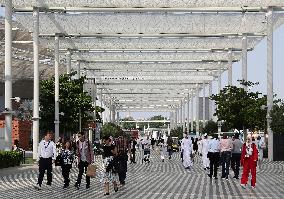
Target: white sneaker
x=243, y=186
x=253, y=187
x=37, y=187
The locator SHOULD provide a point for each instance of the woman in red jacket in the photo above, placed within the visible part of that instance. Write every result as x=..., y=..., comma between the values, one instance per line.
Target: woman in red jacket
x=249, y=158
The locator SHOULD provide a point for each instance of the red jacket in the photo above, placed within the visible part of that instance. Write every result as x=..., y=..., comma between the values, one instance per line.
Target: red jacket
x=89, y=153
x=253, y=157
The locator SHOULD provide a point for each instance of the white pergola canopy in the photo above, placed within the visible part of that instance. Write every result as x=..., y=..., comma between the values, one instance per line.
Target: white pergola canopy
x=142, y=47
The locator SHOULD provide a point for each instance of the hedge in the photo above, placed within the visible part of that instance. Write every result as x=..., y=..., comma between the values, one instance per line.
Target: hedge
x=10, y=159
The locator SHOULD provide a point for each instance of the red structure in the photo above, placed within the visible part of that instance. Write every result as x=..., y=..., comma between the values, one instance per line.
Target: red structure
x=21, y=131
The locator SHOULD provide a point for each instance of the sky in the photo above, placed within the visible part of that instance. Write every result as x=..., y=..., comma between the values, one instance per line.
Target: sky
x=257, y=66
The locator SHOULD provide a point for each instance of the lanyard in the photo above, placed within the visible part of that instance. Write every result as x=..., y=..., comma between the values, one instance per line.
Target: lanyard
x=45, y=146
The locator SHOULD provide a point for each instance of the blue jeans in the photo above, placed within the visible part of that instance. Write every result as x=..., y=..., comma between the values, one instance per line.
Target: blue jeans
x=225, y=157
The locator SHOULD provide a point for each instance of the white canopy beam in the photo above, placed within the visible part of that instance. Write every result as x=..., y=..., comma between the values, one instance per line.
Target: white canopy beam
x=149, y=43
x=150, y=23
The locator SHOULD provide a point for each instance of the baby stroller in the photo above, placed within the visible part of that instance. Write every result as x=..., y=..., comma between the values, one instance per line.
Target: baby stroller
x=146, y=157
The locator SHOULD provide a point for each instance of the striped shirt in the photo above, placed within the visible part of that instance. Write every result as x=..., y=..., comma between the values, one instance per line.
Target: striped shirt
x=121, y=145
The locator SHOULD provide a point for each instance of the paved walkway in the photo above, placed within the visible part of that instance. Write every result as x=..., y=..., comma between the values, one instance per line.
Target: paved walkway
x=154, y=180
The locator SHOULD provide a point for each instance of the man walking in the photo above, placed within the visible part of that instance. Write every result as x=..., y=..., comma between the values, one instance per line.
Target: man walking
x=236, y=155
x=214, y=155
x=122, y=149
x=46, y=157
x=85, y=155
x=204, y=150
x=186, y=147
x=133, y=144
x=225, y=148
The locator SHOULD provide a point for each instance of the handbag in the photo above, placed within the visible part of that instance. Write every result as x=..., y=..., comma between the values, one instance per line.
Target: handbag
x=58, y=160
x=91, y=170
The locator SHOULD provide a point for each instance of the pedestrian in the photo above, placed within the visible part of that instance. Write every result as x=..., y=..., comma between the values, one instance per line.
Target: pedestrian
x=186, y=147
x=204, y=151
x=236, y=155
x=67, y=156
x=110, y=164
x=260, y=143
x=122, y=149
x=133, y=144
x=226, y=147
x=153, y=143
x=170, y=146
x=147, y=144
x=249, y=158
x=85, y=156
x=163, y=149
x=214, y=155
x=46, y=157
x=195, y=145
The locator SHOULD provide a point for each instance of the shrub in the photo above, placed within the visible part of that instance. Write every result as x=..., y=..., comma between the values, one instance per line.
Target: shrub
x=10, y=159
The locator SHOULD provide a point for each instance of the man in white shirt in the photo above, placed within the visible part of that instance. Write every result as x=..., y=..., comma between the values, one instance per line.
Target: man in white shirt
x=214, y=155
x=46, y=157
x=186, y=146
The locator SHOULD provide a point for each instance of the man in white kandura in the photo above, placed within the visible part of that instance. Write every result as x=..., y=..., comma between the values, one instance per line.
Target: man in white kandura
x=204, y=151
x=186, y=147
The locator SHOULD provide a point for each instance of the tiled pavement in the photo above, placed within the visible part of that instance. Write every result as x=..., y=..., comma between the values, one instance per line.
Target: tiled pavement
x=155, y=180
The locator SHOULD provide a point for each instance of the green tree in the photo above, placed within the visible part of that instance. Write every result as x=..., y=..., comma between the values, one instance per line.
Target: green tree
x=211, y=127
x=72, y=99
x=239, y=108
x=111, y=129
x=177, y=132
x=128, y=125
x=157, y=124
x=277, y=116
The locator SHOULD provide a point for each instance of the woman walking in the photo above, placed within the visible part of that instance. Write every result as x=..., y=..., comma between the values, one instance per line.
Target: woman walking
x=163, y=149
x=67, y=156
x=111, y=163
x=249, y=158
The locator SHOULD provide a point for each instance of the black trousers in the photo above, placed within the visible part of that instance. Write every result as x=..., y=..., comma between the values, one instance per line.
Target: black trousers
x=235, y=163
x=133, y=155
x=226, y=158
x=83, y=165
x=65, y=173
x=122, y=167
x=214, y=163
x=45, y=164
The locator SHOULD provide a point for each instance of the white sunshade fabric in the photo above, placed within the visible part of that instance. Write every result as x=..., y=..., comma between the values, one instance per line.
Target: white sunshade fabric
x=145, y=3
x=150, y=43
x=154, y=56
x=150, y=23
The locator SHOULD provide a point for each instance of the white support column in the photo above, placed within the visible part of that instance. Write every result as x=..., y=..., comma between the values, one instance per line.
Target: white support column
x=269, y=80
x=183, y=117
x=204, y=94
x=117, y=117
x=68, y=66
x=219, y=77
x=110, y=110
x=191, y=126
x=197, y=111
x=101, y=96
x=230, y=68
x=8, y=75
x=36, y=84
x=113, y=114
x=56, y=82
x=176, y=118
x=79, y=69
x=180, y=114
x=210, y=110
x=188, y=112
x=244, y=59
